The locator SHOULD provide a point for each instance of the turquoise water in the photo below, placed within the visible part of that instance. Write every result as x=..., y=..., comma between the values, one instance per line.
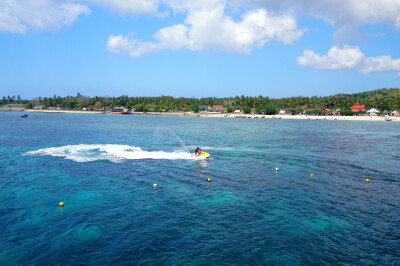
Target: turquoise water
x=103, y=168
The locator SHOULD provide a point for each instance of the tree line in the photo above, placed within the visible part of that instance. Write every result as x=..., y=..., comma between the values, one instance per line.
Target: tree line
x=382, y=99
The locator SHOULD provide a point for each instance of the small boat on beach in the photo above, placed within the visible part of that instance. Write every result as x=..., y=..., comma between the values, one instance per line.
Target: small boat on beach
x=24, y=115
x=388, y=118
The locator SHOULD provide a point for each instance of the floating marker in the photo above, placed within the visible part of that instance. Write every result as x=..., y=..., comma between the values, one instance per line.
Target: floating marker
x=367, y=180
x=209, y=180
x=61, y=204
x=154, y=185
x=312, y=175
x=277, y=169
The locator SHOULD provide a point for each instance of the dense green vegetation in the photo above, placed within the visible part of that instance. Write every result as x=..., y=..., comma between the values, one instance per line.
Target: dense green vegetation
x=382, y=99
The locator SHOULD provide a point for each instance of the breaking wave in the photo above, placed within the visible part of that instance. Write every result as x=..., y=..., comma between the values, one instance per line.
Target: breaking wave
x=111, y=152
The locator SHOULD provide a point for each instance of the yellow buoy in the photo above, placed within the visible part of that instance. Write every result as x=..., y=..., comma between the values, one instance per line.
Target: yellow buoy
x=367, y=180
x=61, y=204
x=209, y=180
x=312, y=175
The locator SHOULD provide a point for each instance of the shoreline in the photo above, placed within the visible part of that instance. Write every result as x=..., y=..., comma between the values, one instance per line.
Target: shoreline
x=253, y=116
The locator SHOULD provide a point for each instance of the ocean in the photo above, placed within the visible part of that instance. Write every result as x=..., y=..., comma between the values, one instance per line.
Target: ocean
x=104, y=167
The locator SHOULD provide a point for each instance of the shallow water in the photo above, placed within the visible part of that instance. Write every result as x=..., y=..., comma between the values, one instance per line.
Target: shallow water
x=103, y=168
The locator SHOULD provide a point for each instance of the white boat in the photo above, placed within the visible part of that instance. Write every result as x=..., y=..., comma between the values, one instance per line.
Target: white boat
x=388, y=118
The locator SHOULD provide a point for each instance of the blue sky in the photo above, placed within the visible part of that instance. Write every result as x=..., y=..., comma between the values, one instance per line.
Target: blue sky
x=192, y=49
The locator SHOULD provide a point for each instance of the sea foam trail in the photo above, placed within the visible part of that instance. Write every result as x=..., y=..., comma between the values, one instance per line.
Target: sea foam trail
x=110, y=152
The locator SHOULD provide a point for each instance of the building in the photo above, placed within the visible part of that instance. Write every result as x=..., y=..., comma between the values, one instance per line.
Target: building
x=395, y=113
x=285, y=111
x=372, y=111
x=118, y=109
x=357, y=107
x=218, y=108
x=205, y=107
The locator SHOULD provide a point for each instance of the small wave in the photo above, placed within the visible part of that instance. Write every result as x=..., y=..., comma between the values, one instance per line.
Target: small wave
x=111, y=152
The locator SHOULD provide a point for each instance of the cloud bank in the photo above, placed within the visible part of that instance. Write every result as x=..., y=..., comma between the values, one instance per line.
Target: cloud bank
x=42, y=15
x=344, y=15
x=209, y=24
x=348, y=57
x=207, y=27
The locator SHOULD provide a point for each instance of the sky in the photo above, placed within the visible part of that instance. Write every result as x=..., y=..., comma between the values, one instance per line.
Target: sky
x=208, y=48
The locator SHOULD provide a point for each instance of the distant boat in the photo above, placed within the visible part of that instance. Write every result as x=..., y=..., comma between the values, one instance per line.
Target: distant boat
x=24, y=115
x=388, y=118
x=126, y=112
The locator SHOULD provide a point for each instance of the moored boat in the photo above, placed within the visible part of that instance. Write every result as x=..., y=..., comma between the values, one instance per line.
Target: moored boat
x=126, y=112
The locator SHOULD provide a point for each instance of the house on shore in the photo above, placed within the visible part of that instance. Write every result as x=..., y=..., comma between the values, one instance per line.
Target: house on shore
x=285, y=111
x=218, y=108
x=357, y=107
x=372, y=111
x=118, y=109
x=205, y=107
x=395, y=113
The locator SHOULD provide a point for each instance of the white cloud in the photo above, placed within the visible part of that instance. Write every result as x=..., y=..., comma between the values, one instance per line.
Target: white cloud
x=345, y=15
x=10, y=23
x=173, y=38
x=207, y=27
x=43, y=15
x=348, y=57
x=130, y=7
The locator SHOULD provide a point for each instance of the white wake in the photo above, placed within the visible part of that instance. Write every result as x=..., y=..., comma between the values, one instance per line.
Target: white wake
x=110, y=152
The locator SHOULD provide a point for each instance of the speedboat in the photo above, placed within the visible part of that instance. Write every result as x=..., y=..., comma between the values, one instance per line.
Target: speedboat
x=24, y=115
x=388, y=118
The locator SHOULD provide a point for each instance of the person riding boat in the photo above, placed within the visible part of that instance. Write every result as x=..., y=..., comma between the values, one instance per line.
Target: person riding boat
x=197, y=152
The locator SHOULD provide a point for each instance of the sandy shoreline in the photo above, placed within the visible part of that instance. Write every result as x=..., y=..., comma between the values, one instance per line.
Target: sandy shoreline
x=311, y=117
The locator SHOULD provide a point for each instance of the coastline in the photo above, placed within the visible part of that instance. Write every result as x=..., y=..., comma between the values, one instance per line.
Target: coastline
x=253, y=116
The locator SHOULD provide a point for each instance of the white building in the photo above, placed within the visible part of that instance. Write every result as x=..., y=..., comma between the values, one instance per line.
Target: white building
x=372, y=111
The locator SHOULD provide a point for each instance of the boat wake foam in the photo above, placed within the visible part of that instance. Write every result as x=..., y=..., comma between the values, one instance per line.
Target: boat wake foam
x=111, y=152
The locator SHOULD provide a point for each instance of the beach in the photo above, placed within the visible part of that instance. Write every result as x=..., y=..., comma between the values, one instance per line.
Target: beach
x=229, y=115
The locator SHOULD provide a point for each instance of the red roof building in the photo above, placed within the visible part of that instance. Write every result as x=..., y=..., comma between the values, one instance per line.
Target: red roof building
x=357, y=107
x=218, y=107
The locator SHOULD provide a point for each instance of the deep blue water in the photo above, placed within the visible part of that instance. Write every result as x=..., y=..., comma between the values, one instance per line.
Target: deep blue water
x=103, y=168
